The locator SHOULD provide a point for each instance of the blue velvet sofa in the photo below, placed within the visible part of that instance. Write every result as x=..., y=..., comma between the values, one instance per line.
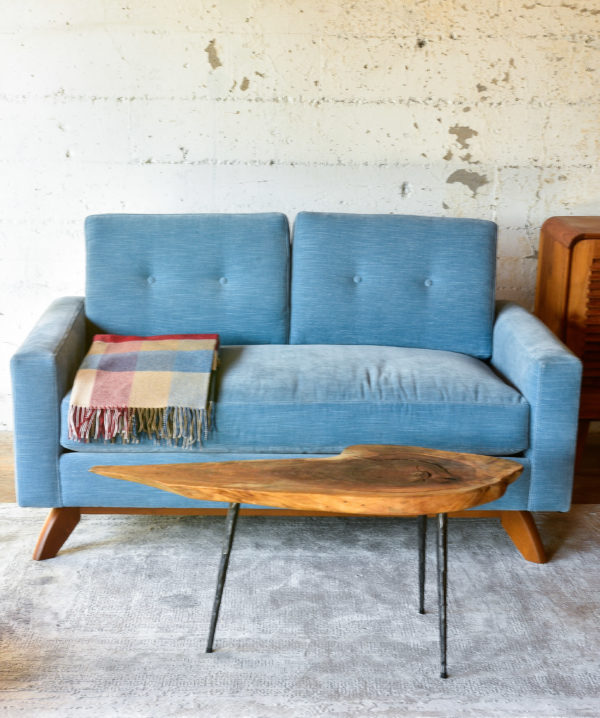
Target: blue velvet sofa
x=365, y=329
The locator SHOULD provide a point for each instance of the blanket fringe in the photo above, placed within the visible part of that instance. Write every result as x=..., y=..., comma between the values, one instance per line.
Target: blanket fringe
x=174, y=424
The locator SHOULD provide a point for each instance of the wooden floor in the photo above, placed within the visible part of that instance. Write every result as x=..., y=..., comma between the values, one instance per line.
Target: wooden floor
x=7, y=472
x=586, y=490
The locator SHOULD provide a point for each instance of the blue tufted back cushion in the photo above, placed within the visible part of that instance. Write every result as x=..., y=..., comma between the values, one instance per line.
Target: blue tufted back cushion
x=396, y=280
x=190, y=273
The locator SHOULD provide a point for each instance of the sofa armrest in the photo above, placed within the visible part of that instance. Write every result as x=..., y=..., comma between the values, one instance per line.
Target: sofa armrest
x=548, y=375
x=42, y=370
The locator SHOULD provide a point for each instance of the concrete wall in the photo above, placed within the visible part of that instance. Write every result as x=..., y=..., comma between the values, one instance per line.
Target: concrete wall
x=488, y=109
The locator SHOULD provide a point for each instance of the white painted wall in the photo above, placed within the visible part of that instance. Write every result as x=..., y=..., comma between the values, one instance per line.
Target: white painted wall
x=488, y=109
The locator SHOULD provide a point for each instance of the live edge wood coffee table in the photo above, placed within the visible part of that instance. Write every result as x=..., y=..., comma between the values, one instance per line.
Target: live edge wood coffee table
x=374, y=480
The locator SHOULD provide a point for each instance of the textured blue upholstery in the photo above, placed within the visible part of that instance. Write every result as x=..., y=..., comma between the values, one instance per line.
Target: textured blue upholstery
x=321, y=398
x=548, y=375
x=389, y=358
x=79, y=487
x=399, y=280
x=42, y=370
x=189, y=274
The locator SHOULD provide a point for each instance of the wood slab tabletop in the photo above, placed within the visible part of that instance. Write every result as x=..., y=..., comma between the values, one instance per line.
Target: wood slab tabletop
x=378, y=480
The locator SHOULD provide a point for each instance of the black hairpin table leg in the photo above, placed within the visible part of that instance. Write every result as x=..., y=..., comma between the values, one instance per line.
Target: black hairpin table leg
x=422, y=523
x=442, y=571
x=232, y=515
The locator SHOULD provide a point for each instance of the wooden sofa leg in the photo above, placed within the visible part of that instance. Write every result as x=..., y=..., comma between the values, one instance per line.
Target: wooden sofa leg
x=56, y=530
x=521, y=528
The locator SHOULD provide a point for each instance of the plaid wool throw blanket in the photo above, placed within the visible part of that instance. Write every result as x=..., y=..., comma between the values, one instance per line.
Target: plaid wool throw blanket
x=158, y=386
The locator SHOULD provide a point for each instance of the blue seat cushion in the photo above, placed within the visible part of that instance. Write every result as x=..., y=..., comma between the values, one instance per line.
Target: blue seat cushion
x=322, y=398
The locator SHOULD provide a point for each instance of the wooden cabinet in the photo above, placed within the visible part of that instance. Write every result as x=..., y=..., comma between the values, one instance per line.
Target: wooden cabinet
x=568, y=297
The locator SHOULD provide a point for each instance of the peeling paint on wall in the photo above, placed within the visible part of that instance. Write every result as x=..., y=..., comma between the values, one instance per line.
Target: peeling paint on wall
x=405, y=189
x=463, y=134
x=473, y=180
x=213, y=57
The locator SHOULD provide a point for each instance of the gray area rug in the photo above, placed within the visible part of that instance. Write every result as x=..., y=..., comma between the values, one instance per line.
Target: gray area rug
x=319, y=618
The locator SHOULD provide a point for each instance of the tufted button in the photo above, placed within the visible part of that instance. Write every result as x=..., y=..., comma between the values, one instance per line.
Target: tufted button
x=428, y=282
x=151, y=279
x=223, y=280
x=356, y=279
